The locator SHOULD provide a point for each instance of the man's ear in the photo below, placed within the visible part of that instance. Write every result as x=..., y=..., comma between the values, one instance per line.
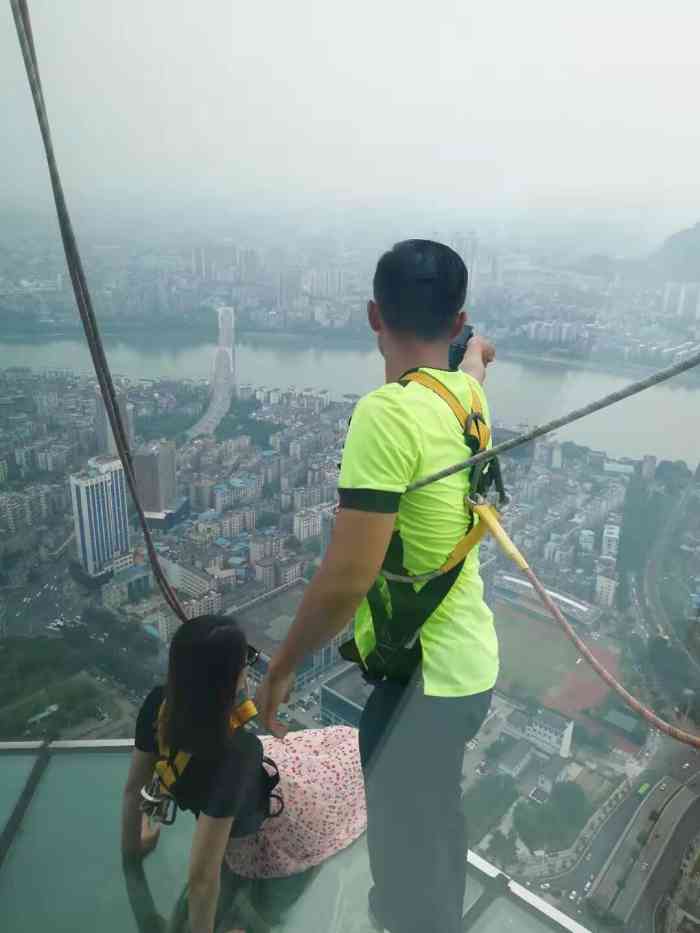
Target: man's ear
x=458, y=325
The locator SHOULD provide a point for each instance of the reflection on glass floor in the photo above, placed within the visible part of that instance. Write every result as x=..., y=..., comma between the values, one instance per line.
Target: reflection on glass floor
x=15, y=771
x=62, y=869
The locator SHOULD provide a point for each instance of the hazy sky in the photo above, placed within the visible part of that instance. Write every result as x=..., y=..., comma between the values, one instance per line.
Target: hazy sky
x=497, y=105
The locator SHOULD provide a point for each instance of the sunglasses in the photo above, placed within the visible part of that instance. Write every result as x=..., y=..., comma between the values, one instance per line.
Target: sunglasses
x=252, y=656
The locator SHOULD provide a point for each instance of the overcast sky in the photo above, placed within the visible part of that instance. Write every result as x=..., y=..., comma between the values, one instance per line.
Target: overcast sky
x=496, y=105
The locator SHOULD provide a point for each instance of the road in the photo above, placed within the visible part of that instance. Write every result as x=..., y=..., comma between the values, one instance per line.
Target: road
x=29, y=609
x=642, y=920
x=657, y=615
x=671, y=759
x=222, y=392
x=594, y=859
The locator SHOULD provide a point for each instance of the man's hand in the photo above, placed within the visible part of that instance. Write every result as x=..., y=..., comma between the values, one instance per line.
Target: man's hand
x=272, y=692
x=350, y=566
x=480, y=352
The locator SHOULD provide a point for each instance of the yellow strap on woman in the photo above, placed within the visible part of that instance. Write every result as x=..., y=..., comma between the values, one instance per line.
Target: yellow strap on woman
x=169, y=769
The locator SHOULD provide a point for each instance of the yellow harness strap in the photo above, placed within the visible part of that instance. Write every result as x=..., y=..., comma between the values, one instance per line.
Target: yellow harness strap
x=169, y=769
x=472, y=422
x=488, y=520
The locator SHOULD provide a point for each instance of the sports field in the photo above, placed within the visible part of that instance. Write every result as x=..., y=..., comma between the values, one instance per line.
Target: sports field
x=535, y=654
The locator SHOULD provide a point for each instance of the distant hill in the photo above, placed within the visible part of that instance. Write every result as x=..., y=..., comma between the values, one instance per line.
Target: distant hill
x=676, y=260
x=679, y=258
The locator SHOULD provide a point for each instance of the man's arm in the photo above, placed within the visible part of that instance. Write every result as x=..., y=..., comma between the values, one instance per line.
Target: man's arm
x=353, y=560
x=479, y=353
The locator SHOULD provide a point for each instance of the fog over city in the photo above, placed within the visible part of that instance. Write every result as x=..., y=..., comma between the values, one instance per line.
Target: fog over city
x=505, y=110
x=236, y=176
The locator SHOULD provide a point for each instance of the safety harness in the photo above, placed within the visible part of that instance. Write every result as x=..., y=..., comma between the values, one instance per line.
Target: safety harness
x=158, y=800
x=397, y=608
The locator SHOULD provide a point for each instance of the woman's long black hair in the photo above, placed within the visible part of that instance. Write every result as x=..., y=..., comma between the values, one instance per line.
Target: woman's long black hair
x=207, y=656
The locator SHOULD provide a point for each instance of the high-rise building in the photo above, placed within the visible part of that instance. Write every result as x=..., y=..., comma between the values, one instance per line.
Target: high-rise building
x=307, y=524
x=154, y=467
x=106, y=445
x=605, y=588
x=100, y=515
x=611, y=541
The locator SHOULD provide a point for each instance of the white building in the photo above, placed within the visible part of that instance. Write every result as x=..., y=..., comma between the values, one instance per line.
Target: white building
x=187, y=579
x=307, y=524
x=586, y=541
x=611, y=541
x=100, y=515
x=605, y=588
x=209, y=603
x=551, y=733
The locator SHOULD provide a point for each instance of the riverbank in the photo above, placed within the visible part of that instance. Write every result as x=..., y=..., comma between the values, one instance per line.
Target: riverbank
x=189, y=336
x=608, y=367
x=521, y=388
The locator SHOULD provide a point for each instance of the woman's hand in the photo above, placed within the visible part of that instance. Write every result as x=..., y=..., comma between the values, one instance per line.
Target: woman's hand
x=150, y=834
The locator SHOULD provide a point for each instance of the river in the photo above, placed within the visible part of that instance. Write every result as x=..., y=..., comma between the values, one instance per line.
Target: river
x=664, y=421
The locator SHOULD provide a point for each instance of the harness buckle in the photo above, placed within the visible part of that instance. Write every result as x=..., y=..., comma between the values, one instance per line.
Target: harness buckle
x=157, y=803
x=486, y=485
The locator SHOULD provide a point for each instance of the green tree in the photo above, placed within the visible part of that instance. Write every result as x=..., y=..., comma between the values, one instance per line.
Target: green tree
x=502, y=848
x=485, y=803
x=570, y=801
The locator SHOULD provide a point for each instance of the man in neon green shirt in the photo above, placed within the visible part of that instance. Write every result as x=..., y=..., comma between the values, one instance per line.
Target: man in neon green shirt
x=433, y=689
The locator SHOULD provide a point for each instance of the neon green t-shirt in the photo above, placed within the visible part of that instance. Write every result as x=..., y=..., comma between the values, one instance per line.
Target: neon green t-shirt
x=399, y=434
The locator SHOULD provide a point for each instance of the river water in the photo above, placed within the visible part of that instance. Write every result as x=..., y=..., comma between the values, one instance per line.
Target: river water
x=664, y=421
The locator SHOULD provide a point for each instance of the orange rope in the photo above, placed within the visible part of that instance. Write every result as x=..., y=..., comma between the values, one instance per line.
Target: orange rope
x=687, y=738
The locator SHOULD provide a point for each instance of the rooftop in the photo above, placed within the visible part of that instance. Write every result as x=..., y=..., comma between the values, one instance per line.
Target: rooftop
x=60, y=866
x=552, y=720
x=266, y=619
x=350, y=685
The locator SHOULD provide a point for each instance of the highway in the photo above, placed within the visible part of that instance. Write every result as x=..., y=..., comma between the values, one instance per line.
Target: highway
x=658, y=617
x=595, y=857
x=642, y=920
x=222, y=392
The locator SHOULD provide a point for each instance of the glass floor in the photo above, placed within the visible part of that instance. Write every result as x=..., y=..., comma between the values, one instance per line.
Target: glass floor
x=60, y=866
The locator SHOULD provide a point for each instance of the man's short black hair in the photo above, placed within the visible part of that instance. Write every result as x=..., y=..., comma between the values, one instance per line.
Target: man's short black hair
x=420, y=286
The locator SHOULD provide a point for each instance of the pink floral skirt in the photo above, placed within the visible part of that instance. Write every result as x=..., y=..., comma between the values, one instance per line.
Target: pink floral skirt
x=324, y=805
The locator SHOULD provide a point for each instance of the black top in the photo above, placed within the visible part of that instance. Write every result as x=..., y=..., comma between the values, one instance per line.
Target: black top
x=232, y=785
